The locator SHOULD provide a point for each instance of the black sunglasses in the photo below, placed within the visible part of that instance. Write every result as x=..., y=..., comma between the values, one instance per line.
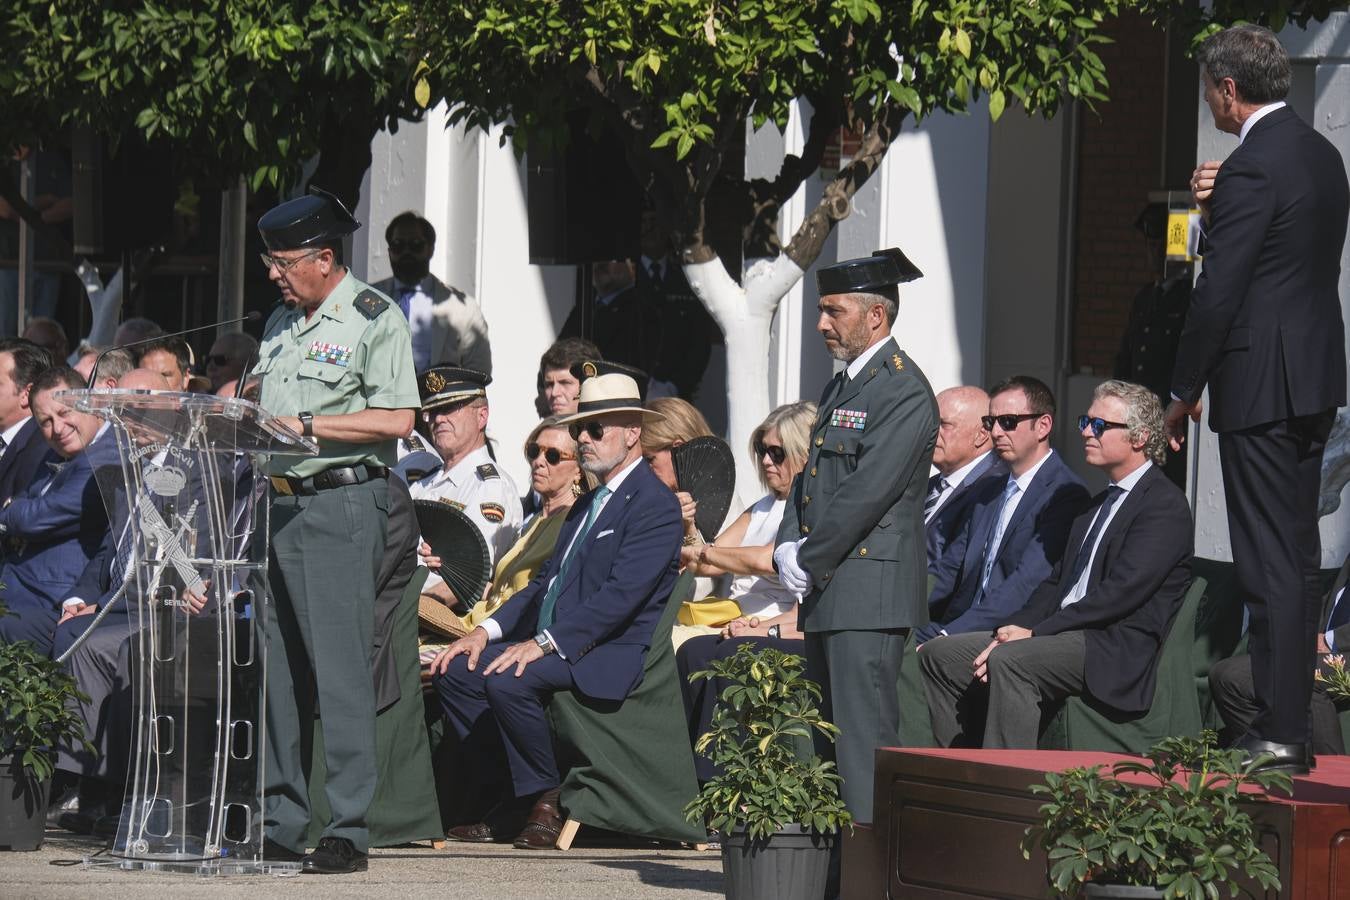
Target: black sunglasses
x=1008, y=422
x=775, y=453
x=416, y=245
x=596, y=430
x=552, y=455
x=1098, y=426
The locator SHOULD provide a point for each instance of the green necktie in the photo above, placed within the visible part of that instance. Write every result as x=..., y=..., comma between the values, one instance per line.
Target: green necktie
x=551, y=598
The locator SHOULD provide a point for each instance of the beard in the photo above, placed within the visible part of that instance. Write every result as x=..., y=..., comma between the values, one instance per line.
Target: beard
x=409, y=270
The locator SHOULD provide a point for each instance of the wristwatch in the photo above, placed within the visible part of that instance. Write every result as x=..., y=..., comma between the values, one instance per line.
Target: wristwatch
x=775, y=631
x=545, y=643
x=307, y=424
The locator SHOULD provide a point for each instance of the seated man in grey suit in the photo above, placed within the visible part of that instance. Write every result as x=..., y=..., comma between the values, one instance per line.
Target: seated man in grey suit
x=1111, y=599
x=964, y=458
x=1016, y=531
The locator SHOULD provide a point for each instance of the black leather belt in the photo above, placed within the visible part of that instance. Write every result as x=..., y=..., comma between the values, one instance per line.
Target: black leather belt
x=326, y=480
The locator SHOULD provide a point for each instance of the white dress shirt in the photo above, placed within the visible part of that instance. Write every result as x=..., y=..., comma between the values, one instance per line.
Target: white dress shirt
x=955, y=479
x=863, y=359
x=420, y=303
x=1023, y=482
x=10, y=433
x=1126, y=484
x=1258, y=116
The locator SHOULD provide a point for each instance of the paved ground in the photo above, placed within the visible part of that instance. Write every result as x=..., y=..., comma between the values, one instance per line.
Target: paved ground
x=464, y=871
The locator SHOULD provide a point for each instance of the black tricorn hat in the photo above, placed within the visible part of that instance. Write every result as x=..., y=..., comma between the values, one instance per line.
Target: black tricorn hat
x=315, y=218
x=445, y=385
x=589, y=368
x=883, y=269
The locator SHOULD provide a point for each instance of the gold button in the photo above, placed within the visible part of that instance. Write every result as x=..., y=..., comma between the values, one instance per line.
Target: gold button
x=806, y=500
x=806, y=529
x=819, y=441
x=872, y=372
x=862, y=552
x=813, y=471
x=841, y=448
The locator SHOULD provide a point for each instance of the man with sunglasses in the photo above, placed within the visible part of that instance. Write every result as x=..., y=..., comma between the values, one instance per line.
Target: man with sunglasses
x=852, y=539
x=1111, y=598
x=584, y=623
x=1016, y=533
x=447, y=324
x=335, y=365
x=455, y=409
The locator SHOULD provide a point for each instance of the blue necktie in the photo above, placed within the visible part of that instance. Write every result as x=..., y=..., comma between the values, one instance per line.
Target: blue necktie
x=991, y=548
x=405, y=301
x=551, y=598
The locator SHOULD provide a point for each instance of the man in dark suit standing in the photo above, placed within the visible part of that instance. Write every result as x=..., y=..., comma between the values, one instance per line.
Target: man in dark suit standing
x=583, y=624
x=1016, y=533
x=1265, y=333
x=852, y=538
x=964, y=457
x=1111, y=598
x=22, y=448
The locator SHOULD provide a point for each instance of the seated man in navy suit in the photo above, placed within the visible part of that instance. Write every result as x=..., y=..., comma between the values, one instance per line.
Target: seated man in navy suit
x=57, y=524
x=583, y=624
x=1016, y=533
x=964, y=458
x=22, y=449
x=1111, y=599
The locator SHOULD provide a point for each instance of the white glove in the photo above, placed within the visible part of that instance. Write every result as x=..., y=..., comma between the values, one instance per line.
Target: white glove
x=790, y=574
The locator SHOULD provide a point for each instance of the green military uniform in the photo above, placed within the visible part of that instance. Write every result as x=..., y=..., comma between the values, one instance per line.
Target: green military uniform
x=328, y=540
x=858, y=505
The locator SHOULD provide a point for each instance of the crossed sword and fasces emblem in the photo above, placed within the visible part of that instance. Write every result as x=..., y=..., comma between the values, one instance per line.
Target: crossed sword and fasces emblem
x=170, y=542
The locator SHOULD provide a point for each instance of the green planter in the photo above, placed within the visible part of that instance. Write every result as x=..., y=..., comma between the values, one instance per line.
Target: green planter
x=23, y=806
x=1119, y=892
x=791, y=864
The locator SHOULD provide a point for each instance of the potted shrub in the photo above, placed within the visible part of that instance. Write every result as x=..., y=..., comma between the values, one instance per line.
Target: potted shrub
x=35, y=715
x=779, y=813
x=1176, y=829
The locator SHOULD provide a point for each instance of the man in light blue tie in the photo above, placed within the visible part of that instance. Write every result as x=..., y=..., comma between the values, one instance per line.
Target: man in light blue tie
x=583, y=624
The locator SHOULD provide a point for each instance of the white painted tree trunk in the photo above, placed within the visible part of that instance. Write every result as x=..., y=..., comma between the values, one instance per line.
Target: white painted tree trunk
x=745, y=314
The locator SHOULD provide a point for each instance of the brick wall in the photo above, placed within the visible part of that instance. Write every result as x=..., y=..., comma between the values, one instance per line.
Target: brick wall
x=1120, y=152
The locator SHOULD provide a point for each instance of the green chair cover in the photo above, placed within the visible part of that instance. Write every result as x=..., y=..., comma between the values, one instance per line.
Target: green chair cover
x=1083, y=724
x=916, y=725
x=404, y=808
x=631, y=766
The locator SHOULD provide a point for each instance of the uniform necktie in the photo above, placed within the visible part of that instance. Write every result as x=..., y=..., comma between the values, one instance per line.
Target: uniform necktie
x=1085, y=551
x=551, y=598
x=996, y=538
x=405, y=301
x=937, y=485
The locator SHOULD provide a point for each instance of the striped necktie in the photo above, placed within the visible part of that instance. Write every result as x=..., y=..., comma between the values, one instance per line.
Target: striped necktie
x=551, y=598
x=937, y=486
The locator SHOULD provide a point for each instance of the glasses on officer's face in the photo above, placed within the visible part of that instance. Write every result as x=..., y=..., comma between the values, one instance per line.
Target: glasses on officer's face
x=415, y=245
x=596, y=430
x=1007, y=422
x=284, y=266
x=775, y=453
x=552, y=455
x=1098, y=425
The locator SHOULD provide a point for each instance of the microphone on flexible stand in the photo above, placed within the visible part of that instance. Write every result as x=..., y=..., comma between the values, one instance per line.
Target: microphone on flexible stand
x=253, y=316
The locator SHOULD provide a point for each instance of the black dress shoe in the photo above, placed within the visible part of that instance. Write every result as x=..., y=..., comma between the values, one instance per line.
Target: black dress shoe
x=274, y=852
x=333, y=856
x=1296, y=759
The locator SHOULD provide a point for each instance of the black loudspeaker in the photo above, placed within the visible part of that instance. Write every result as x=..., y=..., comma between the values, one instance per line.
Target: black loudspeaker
x=583, y=203
x=138, y=194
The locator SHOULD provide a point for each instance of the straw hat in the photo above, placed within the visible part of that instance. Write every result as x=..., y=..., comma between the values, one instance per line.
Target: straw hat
x=610, y=393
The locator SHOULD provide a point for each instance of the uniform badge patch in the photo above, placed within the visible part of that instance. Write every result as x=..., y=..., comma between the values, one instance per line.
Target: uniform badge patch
x=487, y=470
x=338, y=355
x=897, y=362
x=493, y=512
x=849, y=418
x=434, y=382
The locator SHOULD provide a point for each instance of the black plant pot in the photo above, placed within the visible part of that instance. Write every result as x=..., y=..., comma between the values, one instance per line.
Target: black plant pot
x=791, y=864
x=1095, y=891
x=23, y=806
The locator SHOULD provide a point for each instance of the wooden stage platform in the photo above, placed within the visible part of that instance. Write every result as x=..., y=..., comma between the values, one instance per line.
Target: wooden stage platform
x=949, y=822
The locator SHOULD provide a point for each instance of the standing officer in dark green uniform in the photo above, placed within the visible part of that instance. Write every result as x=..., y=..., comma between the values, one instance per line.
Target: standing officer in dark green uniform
x=336, y=366
x=852, y=540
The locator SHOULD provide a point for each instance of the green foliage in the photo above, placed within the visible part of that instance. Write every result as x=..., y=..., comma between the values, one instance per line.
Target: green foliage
x=766, y=707
x=1185, y=833
x=1334, y=677
x=34, y=711
x=240, y=86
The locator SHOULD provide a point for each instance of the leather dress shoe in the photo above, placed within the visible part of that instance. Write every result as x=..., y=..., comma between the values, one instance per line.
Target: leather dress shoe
x=1296, y=759
x=543, y=825
x=500, y=826
x=274, y=852
x=333, y=856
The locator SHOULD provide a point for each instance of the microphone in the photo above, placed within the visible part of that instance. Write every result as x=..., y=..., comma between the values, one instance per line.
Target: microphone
x=253, y=316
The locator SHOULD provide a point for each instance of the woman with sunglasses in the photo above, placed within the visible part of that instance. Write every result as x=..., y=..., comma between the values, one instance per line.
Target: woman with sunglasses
x=768, y=611
x=680, y=423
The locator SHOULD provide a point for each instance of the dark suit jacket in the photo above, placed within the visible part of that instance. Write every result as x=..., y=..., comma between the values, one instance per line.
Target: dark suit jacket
x=685, y=331
x=1033, y=543
x=615, y=590
x=1135, y=587
x=1264, y=328
x=626, y=329
x=19, y=465
x=952, y=515
x=859, y=499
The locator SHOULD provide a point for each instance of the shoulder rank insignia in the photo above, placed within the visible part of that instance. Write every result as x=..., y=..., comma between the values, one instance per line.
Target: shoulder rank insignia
x=493, y=512
x=849, y=418
x=370, y=304
x=487, y=470
x=897, y=362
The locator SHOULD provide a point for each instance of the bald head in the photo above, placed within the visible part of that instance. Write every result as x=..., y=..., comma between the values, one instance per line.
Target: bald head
x=143, y=380
x=960, y=437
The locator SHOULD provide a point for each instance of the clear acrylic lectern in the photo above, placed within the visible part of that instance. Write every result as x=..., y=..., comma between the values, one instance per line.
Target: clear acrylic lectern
x=188, y=512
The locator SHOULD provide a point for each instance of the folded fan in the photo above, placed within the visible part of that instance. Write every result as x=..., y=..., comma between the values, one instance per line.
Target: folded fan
x=466, y=564
x=706, y=469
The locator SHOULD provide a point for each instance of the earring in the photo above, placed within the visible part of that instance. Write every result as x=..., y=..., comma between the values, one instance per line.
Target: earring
x=576, y=488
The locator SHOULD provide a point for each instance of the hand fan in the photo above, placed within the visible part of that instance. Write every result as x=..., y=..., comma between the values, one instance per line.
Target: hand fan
x=466, y=564
x=706, y=469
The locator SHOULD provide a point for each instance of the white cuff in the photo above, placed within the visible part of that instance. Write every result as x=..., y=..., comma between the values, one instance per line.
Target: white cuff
x=556, y=648
x=1331, y=640
x=494, y=631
